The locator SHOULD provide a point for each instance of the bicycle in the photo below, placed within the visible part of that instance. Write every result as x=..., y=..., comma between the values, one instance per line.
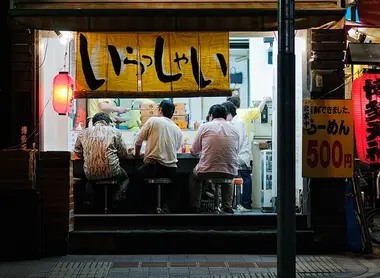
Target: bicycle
x=373, y=214
x=366, y=204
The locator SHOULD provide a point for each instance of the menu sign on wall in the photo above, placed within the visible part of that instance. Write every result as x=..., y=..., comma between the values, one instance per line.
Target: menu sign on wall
x=149, y=62
x=328, y=142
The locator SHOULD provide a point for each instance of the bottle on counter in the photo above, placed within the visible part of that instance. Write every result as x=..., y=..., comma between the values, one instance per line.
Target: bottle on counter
x=186, y=146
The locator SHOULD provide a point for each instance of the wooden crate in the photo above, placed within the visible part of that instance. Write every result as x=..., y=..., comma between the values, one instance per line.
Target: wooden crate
x=148, y=106
x=179, y=118
x=148, y=113
x=180, y=105
x=328, y=49
x=180, y=111
x=323, y=35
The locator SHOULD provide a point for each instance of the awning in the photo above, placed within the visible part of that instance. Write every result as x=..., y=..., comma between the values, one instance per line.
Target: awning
x=102, y=16
x=363, y=54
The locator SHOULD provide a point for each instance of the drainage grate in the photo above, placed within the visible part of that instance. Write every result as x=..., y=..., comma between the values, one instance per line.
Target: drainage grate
x=80, y=269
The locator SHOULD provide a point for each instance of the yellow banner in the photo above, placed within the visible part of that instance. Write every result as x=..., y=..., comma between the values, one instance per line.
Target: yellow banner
x=328, y=139
x=152, y=62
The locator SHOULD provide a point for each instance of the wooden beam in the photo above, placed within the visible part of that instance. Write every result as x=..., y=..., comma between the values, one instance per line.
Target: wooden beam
x=157, y=94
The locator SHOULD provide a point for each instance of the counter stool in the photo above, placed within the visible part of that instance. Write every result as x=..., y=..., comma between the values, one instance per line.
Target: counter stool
x=106, y=183
x=159, y=182
x=238, y=191
x=77, y=180
x=215, y=182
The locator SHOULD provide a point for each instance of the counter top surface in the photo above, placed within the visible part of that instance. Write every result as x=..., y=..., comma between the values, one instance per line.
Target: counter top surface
x=130, y=156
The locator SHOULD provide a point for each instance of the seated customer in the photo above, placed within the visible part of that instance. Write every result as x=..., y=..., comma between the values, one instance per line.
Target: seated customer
x=163, y=140
x=100, y=146
x=244, y=155
x=217, y=144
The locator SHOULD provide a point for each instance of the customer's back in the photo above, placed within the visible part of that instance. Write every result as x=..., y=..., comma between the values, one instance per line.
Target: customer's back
x=217, y=143
x=163, y=137
x=100, y=147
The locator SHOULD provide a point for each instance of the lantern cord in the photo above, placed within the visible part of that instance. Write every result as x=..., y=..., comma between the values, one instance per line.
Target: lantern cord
x=341, y=85
x=65, y=59
x=45, y=52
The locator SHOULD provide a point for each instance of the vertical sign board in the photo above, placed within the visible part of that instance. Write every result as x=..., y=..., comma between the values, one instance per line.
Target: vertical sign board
x=328, y=142
x=148, y=62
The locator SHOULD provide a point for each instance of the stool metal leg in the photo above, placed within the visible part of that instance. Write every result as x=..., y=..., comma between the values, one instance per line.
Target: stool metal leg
x=216, y=196
x=239, y=189
x=105, y=199
x=159, y=198
x=234, y=200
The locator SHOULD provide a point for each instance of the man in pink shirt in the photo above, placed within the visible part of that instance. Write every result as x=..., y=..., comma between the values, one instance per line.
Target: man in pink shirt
x=217, y=144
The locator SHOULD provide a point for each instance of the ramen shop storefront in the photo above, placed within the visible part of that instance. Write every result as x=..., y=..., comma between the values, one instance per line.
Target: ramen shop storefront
x=139, y=56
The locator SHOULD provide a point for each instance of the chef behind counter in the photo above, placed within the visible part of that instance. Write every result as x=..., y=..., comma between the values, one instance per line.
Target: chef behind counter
x=125, y=118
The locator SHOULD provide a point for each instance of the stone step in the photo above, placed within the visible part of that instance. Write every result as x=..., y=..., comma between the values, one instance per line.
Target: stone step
x=190, y=241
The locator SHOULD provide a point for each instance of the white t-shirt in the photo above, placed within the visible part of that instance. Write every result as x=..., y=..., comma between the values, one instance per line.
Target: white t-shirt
x=244, y=146
x=163, y=139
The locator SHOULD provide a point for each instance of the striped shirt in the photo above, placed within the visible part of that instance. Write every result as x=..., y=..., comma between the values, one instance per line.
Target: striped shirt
x=100, y=146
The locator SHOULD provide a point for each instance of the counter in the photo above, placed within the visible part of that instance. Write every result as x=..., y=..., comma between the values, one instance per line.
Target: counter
x=186, y=163
x=128, y=137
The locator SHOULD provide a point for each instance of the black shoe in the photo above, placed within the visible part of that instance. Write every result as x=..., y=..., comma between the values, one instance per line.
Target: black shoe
x=164, y=209
x=247, y=206
x=227, y=210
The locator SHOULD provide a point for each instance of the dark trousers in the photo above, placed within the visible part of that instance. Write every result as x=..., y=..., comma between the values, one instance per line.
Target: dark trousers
x=142, y=197
x=115, y=193
x=195, y=189
x=247, y=187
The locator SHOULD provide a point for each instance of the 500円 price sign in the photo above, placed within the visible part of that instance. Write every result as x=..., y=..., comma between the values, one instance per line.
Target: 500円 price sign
x=328, y=141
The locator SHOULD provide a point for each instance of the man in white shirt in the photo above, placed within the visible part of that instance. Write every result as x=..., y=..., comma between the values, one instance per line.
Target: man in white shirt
x=163, y=140
x=244, y=154
x=216, y=143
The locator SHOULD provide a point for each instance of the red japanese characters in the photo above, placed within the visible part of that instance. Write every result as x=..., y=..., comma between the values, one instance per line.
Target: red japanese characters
x=365, y=96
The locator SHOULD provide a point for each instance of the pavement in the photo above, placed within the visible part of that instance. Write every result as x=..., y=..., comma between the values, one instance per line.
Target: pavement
x=189, y=266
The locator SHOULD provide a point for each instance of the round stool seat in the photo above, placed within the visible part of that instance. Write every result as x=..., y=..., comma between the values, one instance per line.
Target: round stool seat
x=77, y=181
x=158, y=181
x=238, y=181
x=220, y=180
x=105, y=182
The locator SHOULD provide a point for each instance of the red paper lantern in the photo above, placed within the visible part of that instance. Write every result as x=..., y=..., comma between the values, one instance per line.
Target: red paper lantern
x=365, y=97
x=63, y=86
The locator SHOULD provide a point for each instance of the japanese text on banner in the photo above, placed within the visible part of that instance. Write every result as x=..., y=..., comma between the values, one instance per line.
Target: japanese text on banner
x=328, y=143
x=166, y=62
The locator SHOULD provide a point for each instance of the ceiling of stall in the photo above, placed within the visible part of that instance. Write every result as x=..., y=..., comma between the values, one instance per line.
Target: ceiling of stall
x=179, y=15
